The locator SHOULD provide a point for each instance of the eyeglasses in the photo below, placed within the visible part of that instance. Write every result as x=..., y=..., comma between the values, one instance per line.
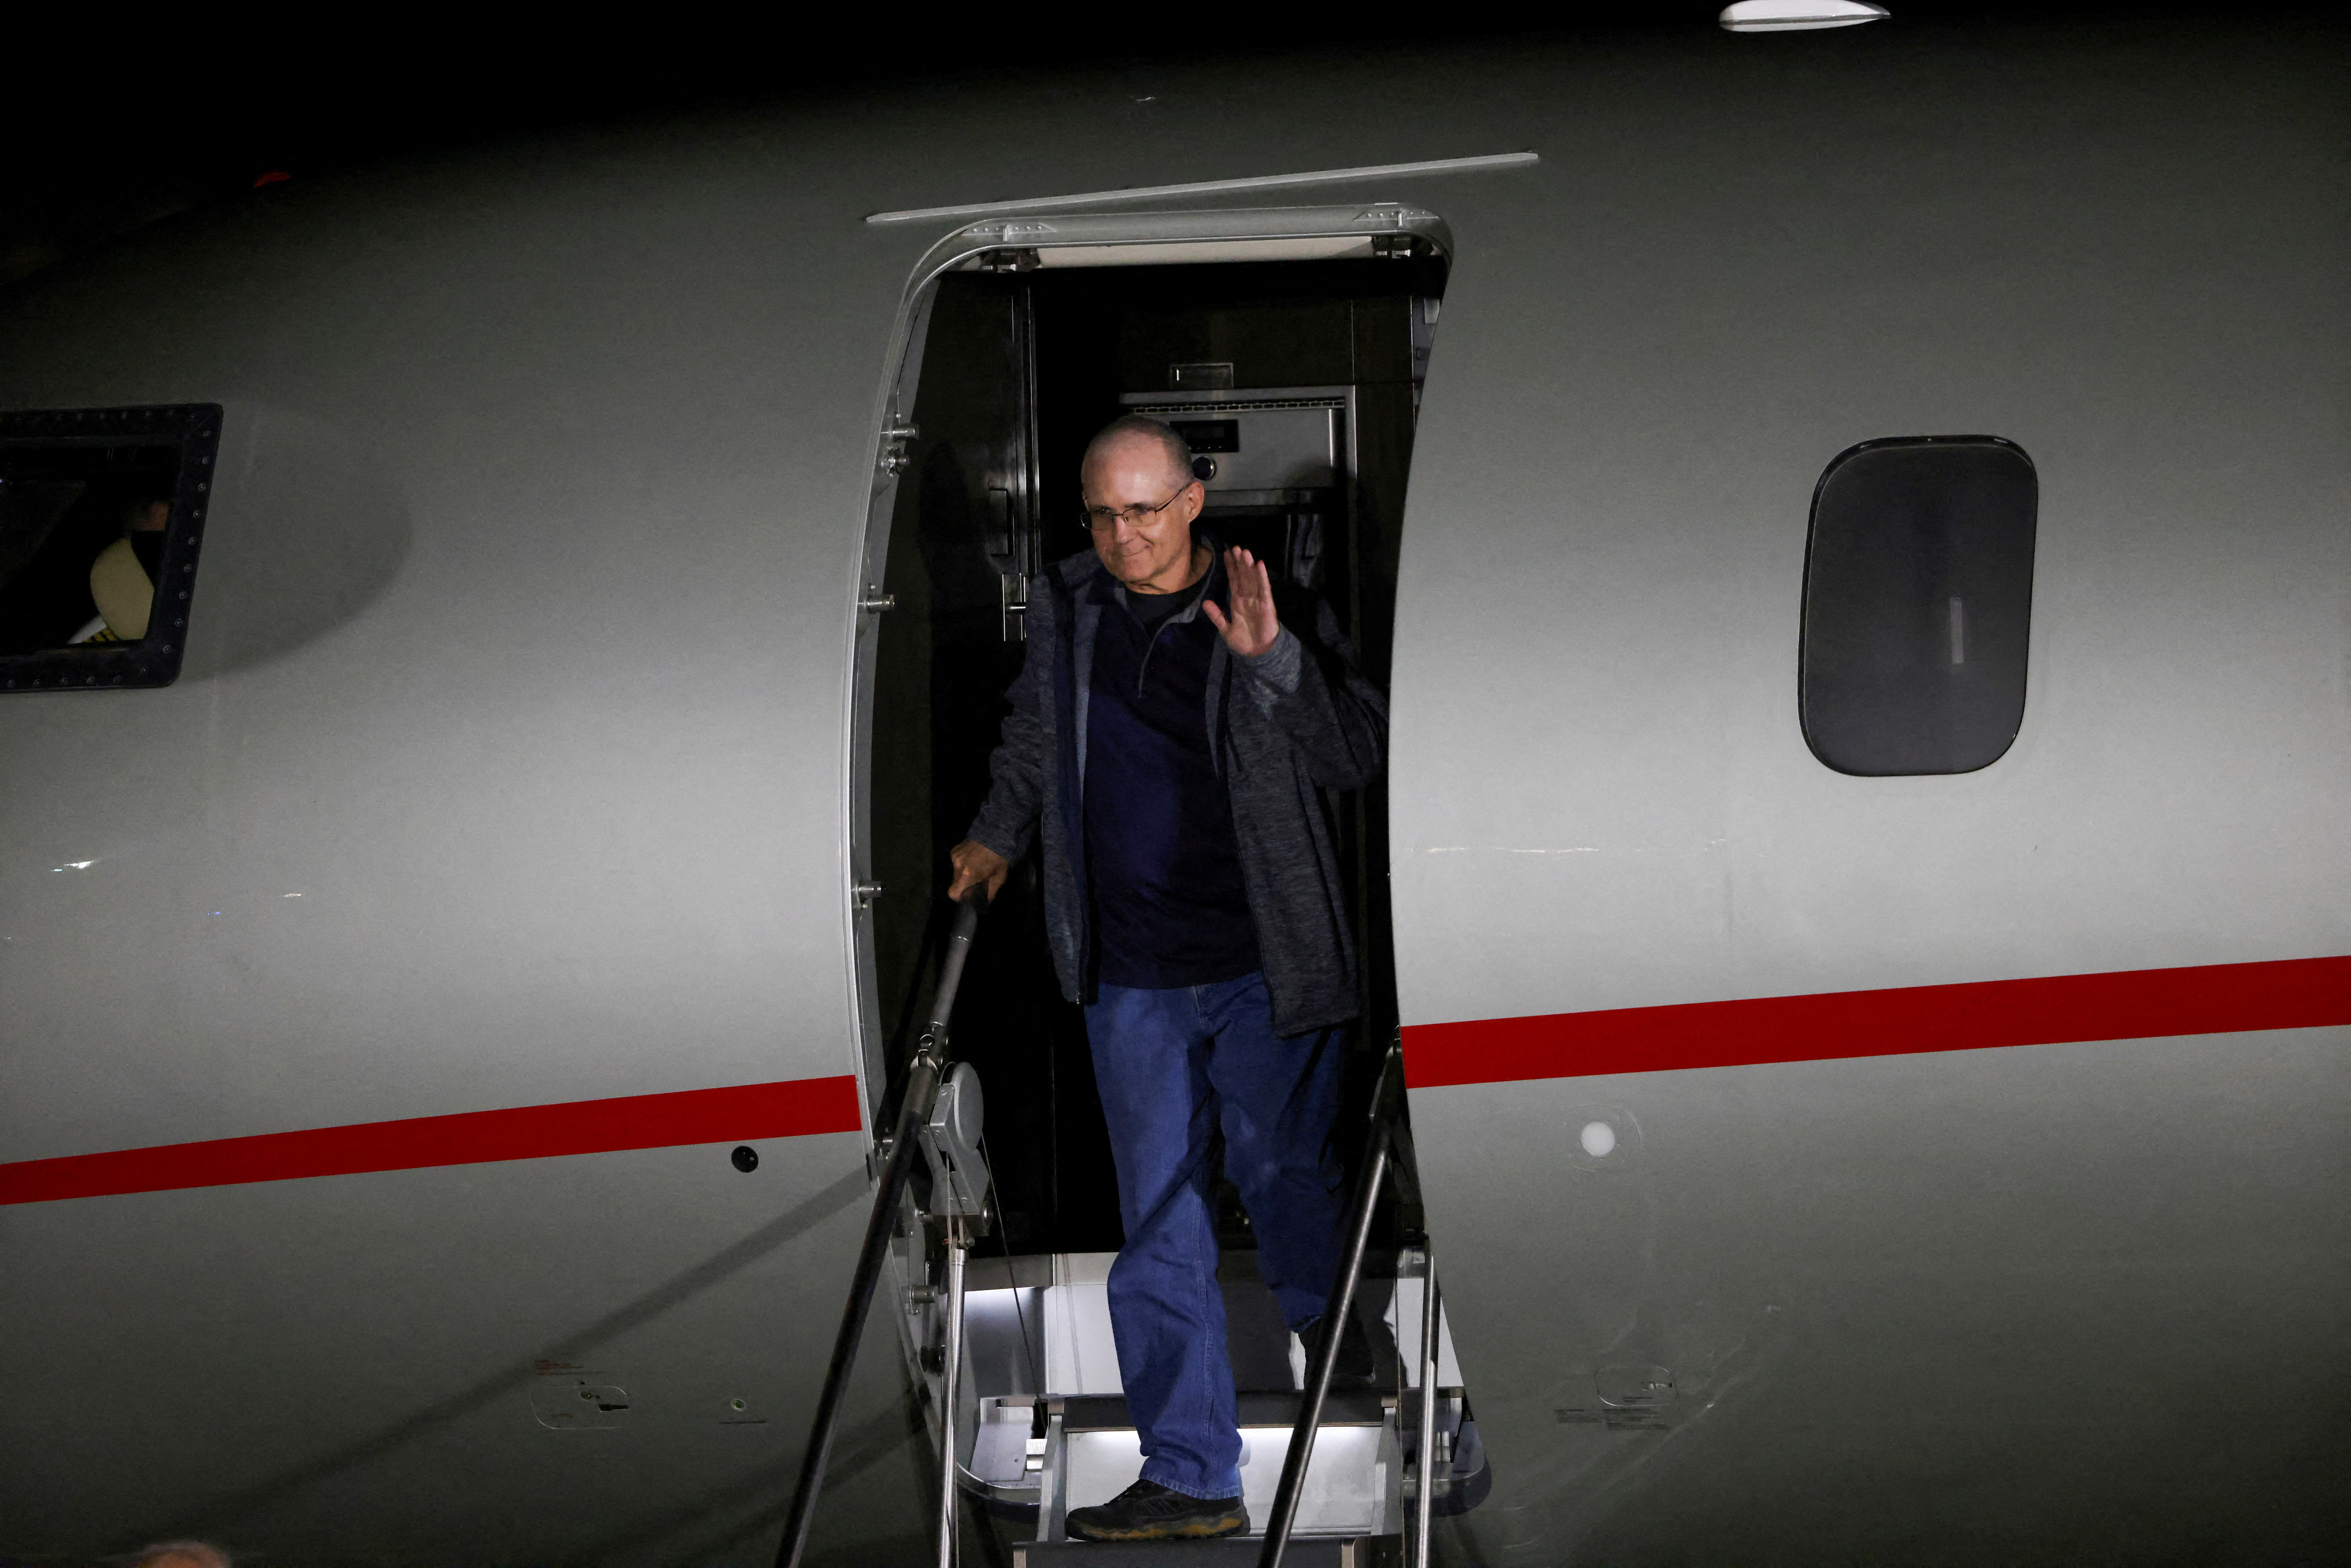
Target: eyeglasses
x=1102, y=519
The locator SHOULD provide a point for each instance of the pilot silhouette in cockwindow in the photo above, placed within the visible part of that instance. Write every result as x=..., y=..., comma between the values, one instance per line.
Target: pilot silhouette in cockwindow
x=82, y=572
x=122, y=579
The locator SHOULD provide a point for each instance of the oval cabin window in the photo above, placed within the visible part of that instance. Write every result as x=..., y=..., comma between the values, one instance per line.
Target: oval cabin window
x=1917, y=604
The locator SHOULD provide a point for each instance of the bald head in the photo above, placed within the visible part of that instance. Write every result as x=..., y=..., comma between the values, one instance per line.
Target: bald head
x=1141, y=499
x=1136, y=432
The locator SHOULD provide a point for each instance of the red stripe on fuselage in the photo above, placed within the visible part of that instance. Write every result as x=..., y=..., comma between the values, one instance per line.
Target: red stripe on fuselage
x=787, y=1110
x=2136, y=1004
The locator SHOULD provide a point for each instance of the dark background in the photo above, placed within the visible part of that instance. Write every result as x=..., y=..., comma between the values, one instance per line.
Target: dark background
x=112, y=118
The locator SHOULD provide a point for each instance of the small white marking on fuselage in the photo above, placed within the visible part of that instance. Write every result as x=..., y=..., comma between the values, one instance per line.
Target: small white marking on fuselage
x=72, y=865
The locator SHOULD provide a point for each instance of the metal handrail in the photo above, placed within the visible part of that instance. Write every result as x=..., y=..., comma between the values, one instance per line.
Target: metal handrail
x=1424, y=1491
x=1335, y=1309
x=922, y=1080
x=950, y=1368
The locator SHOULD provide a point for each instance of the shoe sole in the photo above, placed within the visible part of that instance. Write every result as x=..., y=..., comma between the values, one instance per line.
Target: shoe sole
x=1221, y=1529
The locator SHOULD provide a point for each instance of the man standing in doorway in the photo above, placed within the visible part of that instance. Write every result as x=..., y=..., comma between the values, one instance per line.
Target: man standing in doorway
x=1170, y=734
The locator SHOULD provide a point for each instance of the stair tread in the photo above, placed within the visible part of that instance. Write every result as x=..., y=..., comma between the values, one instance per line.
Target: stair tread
x=1343, y=1408
x=1303, y=1552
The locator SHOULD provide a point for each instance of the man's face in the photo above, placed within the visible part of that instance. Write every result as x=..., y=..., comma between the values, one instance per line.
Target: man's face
x=1134, y=476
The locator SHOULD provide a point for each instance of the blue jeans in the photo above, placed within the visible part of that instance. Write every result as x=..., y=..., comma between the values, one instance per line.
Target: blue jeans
x=1172, y=1065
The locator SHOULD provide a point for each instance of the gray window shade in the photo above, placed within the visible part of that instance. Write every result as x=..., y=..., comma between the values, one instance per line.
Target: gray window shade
x=1917, y=604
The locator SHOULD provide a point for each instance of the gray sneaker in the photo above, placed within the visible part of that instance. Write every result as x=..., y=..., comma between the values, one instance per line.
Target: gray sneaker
x=1149, y=1512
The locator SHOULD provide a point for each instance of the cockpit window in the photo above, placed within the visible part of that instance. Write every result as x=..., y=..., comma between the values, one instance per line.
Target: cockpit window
x=101, y=511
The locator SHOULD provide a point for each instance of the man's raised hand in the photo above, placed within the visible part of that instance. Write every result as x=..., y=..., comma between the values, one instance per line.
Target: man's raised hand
x=1252, y=627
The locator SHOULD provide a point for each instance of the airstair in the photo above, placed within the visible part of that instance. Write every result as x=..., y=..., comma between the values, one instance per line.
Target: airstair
x=1018, y=1373
x=1044, y=1429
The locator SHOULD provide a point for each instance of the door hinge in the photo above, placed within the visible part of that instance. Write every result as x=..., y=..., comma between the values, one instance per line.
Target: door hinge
x=894, y=441
x=865, y=892
x=873, y=601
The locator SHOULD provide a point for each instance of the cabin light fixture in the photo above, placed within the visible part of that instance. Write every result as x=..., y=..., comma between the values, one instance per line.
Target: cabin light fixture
x=1797, y=16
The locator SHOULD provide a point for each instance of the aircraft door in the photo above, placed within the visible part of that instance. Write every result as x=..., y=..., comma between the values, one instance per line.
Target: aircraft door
x=1291, y=366
x=963, y=544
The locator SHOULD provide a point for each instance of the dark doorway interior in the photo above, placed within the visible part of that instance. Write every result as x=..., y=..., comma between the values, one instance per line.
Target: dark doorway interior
x=1019, y=369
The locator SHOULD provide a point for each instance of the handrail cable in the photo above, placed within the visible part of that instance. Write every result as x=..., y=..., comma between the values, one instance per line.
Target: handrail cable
x=1335, y=1310
x=922, y=1080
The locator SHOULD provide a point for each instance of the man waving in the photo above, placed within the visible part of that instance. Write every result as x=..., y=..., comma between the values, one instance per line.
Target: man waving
x=1170, y=734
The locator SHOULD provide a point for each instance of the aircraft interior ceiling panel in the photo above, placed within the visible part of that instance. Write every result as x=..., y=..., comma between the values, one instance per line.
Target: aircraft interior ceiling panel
x=1872, y=1295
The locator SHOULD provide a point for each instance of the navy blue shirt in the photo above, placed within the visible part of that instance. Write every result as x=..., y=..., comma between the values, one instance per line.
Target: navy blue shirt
x=1170, y=908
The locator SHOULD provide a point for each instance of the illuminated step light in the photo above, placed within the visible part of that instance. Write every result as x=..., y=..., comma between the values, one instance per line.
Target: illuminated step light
x=1797, y=16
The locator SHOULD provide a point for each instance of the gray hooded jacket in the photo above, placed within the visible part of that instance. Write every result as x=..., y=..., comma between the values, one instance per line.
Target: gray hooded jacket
x=1297, y=719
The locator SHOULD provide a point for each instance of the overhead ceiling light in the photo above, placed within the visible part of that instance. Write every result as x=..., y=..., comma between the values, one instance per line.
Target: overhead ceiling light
x=1797, y=16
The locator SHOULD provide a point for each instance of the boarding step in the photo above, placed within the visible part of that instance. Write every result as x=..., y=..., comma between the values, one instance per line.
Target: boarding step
x=1233, y=1552
x=1273, y=1407
x=1350, y=1490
